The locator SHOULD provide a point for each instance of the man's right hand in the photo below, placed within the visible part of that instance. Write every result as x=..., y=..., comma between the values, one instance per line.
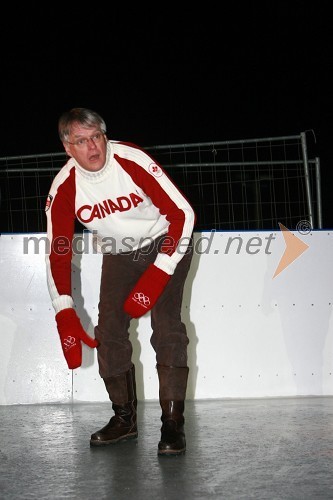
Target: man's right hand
x=71, y=334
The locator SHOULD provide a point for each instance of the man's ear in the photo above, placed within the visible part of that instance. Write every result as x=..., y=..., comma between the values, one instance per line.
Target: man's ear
x=67, y=148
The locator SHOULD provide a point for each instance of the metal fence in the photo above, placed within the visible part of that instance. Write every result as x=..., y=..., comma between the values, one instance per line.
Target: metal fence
x=250, y=184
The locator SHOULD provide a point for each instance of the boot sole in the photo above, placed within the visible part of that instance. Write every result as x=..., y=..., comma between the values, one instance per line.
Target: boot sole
x=96, y=442
x=171, y=453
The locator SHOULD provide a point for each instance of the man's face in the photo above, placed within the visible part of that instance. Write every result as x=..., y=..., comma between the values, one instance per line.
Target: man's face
x=87, y=146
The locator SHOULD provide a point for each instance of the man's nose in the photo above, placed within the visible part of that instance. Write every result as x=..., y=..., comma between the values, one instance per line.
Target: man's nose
x=91, y=143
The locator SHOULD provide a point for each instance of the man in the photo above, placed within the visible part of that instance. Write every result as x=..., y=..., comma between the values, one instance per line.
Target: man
x=143, y=225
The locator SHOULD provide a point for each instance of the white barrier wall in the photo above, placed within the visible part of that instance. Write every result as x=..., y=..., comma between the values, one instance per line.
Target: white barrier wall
x=251, y=335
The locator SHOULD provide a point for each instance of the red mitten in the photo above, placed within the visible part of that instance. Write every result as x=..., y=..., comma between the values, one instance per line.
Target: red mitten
x=146, y=292
x=71, y=334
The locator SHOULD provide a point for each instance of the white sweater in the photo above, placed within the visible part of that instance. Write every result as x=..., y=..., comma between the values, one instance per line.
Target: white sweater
x=127, y=204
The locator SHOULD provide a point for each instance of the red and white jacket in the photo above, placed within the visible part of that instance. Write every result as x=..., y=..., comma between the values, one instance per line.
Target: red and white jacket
x=127, y=204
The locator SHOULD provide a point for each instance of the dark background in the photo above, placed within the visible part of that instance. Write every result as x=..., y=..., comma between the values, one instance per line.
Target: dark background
x=165, y=76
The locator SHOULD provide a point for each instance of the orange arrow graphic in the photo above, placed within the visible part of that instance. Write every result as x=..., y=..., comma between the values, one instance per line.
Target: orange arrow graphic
x=294, y=248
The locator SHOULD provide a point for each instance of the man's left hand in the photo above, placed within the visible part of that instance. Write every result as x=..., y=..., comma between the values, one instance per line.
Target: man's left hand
x=147, y=290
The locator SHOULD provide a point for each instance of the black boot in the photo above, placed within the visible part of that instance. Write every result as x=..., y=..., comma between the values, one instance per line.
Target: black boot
x=173, y=383
x=123, y=425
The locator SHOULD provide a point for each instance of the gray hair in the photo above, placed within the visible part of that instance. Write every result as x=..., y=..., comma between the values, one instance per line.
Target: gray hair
x=82, y=116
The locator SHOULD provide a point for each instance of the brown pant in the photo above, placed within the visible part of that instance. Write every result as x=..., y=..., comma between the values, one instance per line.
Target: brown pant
x=169, y=338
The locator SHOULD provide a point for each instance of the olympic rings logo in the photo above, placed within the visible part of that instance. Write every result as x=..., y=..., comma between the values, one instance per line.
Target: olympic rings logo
x=69, y=342
x=142, y=299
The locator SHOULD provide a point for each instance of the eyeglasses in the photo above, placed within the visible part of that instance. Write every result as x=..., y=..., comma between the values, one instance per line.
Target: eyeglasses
x=84, y=141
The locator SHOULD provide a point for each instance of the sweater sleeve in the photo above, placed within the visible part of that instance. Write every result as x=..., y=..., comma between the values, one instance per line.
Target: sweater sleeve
x=171, y=202
x=60, y=214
